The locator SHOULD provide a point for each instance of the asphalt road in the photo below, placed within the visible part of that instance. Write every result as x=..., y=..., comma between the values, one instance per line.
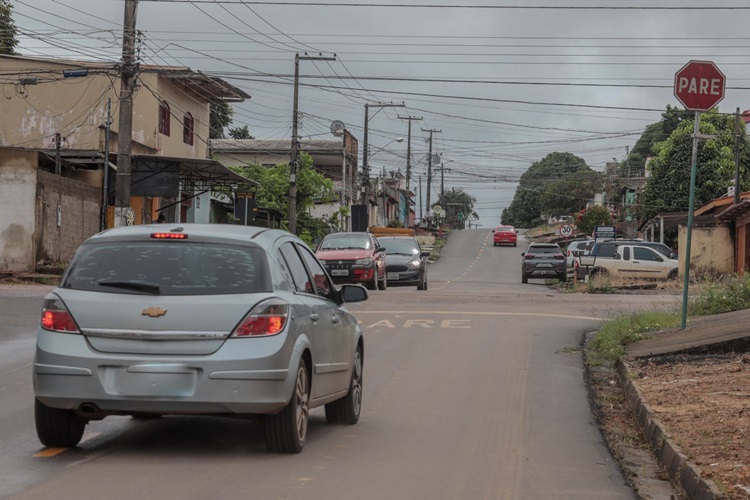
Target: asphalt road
x=473, y=389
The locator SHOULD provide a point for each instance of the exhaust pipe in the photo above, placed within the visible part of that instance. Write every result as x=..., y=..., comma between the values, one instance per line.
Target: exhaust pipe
x=88, y=408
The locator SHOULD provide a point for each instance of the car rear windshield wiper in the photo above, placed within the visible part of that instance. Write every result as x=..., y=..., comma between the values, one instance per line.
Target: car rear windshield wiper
x=142, y=286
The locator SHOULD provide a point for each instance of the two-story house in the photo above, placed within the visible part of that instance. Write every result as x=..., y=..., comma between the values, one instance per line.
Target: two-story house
x=58, y=152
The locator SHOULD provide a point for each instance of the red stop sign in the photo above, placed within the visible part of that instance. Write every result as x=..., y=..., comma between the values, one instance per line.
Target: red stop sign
x=699, y=85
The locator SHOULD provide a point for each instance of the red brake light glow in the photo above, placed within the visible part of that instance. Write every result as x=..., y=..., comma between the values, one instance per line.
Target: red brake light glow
x=56, y=318
x=529, y=256
x=169, y=236
x=265, y=319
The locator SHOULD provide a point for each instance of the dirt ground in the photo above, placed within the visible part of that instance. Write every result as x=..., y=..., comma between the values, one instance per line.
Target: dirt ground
x=704, y=403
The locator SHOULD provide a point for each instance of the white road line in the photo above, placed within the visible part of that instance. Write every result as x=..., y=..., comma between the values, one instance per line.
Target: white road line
x=475, y=313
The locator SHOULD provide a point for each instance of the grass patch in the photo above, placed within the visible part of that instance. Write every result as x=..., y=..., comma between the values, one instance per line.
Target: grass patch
x=727, y=294
x=611, y=341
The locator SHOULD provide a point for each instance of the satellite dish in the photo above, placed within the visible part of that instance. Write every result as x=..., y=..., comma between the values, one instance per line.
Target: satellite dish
x=337, y=128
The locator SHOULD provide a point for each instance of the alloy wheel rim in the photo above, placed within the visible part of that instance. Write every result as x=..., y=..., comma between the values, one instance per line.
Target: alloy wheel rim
x=357, y=383
x=302, y=397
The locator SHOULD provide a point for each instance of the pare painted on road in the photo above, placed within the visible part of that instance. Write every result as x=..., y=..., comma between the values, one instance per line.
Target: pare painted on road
x=420, y=323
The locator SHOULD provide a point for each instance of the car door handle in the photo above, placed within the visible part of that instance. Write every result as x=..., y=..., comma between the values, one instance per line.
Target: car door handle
x=636, y=262
x=335, y=319
x=314, y=317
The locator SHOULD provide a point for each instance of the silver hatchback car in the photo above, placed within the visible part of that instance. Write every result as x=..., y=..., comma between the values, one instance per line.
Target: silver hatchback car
x=200, y=320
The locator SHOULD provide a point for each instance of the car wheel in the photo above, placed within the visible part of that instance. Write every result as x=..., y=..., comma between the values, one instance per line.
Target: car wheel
x=286, y=431
x=57, y=428
x=422, y=283
x=383, y=284
x=563, y=277
x=673, y=274
x=524, y=278
x=347, y=409
x=494, y=244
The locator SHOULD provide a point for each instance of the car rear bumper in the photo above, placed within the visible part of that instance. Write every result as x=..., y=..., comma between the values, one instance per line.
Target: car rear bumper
x=242, y=377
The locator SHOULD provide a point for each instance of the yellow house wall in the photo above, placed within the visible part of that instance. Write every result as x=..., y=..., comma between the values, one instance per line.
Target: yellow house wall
x=711, y=247
x=77, y=109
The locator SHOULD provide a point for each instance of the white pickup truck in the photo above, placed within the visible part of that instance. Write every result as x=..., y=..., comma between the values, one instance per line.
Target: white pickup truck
x=632, y=261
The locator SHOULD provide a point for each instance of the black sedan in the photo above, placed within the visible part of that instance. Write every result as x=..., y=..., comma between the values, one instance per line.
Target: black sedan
x=405, y=261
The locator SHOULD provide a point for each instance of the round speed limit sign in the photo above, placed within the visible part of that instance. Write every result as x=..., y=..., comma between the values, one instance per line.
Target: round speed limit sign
x=566, y=230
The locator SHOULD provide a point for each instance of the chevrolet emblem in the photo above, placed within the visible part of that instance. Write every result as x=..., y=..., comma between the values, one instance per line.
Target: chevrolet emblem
x=154, y=312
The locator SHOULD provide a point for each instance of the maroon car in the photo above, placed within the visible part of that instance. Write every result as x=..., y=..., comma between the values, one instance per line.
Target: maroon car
x=354, y=258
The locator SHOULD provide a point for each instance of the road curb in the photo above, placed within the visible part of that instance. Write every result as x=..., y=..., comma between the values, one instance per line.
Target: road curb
x=681, y=471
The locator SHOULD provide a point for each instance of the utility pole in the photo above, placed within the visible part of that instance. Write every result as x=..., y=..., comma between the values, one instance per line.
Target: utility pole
x=385, y=215
x=105, y=191
x=420, y=199
x=294, y=154
x=365, y=152
x=442, y=181
x=58, y=163
x=429, y=168
x=737, y=157
x=408, y=149
x=125, y=125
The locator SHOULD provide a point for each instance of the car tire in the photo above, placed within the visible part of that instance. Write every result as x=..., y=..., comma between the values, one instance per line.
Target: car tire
x=373, y=285
x=563, y=277
x=347, y=409
x=57, y=428
x=286, y=431
x=673, y=274
x=383, y=284
x=422, y=283
x=494, y=244
x=524, y=278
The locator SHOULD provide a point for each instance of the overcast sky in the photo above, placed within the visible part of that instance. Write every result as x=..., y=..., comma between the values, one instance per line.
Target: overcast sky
x=504, y=82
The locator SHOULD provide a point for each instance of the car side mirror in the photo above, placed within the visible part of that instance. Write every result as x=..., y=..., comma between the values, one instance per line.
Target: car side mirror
x=353, y=293
x=493, y=230
x=425, y=253
x=617, y=256
x=659, y=259
x=380, y=249
x=673, y=256
x=523, y=254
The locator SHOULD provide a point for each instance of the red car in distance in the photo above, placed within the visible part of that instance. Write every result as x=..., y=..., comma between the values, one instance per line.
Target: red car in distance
x=354, y=258
x=505, y=235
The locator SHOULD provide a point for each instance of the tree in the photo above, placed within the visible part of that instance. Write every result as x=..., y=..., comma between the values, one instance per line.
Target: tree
x=571, y=193
x=457, y=201
x=654, y=133
x=273, y=192
x=668, y=188
x=8, y=40
x=219, y=119
x=526, y=208
x=240, y=133
x=592, y=217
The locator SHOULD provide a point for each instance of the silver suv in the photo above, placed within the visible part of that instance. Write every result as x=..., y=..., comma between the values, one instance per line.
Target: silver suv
x=197, y=319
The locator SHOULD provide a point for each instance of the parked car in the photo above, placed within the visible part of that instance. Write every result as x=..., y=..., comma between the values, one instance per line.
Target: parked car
x=197, y=319
x=354, y=258
x=543, y=260
x=505, y=235
x=583, y=246
x=634, y=261
x=406, y=263
x=609, y=248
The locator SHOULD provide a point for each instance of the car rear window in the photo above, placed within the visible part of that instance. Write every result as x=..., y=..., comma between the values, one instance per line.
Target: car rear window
x=504, y=229
x=168, y=268
x=546, y=249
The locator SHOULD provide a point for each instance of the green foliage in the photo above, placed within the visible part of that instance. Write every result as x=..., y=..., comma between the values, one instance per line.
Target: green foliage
x=527, y=205
x=668, y=189
x=219, y=119
x=654, y=133
x=615, y=335
x=273, y=192
x=8, y=41
x=724, y=295
x=457, y=201
x=594, y=216
x=571, y=193
x=240, y=133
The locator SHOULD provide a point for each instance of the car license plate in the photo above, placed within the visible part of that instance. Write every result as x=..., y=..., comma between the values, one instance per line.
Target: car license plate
x=339, y=272
x=393, y=276
x=544, y=265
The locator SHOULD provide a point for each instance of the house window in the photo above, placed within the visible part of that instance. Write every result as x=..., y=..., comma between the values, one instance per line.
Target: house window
x=164, y=118
x=188, y=125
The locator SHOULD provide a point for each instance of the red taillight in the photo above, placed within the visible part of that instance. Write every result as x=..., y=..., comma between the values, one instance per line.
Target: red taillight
x=169, y=236
x=529, y=256
x=56, y=318
x=568, y=253
x=559, y=256
x=266, y=318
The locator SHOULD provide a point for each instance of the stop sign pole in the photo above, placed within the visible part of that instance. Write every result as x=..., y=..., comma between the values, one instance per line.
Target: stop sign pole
x=699, y=86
